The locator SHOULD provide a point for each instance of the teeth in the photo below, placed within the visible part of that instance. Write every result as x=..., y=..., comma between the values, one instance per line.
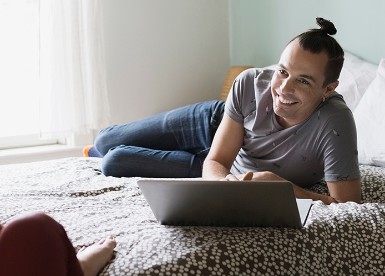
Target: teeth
x=285, y=101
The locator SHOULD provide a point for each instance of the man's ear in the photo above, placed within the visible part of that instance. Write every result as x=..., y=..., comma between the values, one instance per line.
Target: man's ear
x=330, y=88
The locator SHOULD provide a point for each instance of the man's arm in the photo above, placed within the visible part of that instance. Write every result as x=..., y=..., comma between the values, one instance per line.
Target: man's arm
x=347, y=190
x=225, y=147
x=339, y=191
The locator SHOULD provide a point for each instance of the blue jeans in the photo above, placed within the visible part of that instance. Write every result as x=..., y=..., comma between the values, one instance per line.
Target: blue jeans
x=170, y=144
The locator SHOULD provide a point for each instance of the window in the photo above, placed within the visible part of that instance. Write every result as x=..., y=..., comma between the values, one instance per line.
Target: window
x=51, y=67
x=19, y=71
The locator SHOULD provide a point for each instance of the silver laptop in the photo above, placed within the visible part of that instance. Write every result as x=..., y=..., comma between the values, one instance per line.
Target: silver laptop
x=225, y=203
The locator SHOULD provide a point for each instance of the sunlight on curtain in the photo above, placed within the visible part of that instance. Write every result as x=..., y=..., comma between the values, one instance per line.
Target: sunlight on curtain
x=19, y=67
x=73, y=95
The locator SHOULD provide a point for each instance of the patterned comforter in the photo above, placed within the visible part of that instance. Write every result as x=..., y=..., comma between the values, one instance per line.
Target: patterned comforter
x=339, y=239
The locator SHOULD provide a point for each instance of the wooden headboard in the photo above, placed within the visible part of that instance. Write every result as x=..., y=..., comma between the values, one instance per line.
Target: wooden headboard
x=233, y=72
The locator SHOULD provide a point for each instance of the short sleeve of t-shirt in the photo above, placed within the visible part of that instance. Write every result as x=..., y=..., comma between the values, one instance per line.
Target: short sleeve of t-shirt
x=338, y=140
x=248, y=88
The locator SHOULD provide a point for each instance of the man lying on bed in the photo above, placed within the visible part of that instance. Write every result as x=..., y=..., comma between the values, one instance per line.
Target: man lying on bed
x=286, y=123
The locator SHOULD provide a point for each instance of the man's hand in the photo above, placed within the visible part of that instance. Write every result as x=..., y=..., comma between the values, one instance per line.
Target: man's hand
x=253, y=176
x=298, y=191
x=231, y=177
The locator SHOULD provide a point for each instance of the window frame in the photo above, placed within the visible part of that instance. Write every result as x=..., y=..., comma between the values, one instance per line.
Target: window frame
x=27, y=140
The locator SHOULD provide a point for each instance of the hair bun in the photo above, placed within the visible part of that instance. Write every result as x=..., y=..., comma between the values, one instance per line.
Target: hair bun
x=326, y=26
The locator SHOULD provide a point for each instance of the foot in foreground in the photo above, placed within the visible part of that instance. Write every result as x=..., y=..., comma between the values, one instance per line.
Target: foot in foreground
x=93, y=258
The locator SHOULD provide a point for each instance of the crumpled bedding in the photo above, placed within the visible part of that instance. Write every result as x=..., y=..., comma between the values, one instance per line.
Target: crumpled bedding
x=339, y=239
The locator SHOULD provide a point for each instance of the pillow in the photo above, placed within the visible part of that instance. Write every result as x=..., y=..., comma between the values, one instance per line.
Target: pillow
x=355, y=77
x=369, y=116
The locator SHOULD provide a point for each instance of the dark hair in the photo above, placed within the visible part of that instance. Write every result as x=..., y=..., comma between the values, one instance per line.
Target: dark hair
x=320, y=40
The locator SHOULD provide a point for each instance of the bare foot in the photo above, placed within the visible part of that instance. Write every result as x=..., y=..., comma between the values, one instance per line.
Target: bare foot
x=93, y=258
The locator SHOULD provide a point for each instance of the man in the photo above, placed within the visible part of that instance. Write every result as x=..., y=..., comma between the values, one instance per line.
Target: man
x=286, y=123
x=290, y=124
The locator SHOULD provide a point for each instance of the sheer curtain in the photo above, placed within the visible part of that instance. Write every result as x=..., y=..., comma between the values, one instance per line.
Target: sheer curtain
x=73, y=97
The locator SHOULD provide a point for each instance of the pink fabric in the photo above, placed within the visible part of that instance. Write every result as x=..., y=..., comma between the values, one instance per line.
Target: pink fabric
x=36, y=245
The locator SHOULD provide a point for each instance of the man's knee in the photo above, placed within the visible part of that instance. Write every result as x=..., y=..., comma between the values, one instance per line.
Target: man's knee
x=101, y=142
x=112, y=161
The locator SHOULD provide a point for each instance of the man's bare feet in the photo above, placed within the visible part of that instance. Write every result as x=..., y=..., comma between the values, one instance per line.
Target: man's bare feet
x=94, y=257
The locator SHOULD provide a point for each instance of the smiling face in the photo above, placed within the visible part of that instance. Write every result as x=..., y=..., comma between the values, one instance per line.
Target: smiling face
x=297, y=86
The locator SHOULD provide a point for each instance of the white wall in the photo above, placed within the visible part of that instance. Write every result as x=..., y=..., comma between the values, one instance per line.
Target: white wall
x=260, y=29
x=163, y=54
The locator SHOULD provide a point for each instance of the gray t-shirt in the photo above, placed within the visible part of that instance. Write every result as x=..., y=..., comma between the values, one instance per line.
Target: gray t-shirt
x=323, y=147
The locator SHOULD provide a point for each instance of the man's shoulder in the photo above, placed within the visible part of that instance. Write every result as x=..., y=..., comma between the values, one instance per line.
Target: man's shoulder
x=265, y=73
x=334, y=113
x=335, y=104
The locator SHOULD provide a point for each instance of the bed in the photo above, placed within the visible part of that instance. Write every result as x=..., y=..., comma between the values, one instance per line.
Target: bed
x=338, y=239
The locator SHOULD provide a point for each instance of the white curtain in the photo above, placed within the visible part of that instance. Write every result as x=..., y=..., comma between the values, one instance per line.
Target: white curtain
x=73, y=96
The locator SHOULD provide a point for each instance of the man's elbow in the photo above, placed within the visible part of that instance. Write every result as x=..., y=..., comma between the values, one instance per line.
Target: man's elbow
x=356, y=199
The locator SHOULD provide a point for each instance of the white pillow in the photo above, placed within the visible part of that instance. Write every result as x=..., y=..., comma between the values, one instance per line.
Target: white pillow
x=370, y=121
x=355, y=77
